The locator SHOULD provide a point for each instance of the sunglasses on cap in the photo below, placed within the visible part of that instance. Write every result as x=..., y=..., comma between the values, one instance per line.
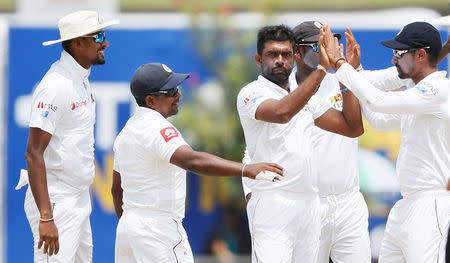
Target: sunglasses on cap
x=400, y=53
x=99, y=37
x=314, y=46
x=168, y=93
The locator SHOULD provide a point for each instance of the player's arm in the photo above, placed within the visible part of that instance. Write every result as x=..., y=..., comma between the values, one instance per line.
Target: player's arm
x=117, y=192
x=207, y=164
x=38, y=141
x=348, y=122
x=381, y=121
x=282, y=111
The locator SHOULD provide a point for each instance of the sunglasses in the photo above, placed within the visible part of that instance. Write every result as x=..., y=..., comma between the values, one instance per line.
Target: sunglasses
x=168, y=93
x=99, y=38
x=400, y=53
x=314, y=46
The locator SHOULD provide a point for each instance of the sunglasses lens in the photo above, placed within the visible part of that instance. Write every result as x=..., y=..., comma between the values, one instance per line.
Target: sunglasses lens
x=100, y=37
x=315, y=47
x=172, y=92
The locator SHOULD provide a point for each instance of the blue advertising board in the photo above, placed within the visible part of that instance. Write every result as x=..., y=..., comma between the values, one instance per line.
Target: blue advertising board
x=28, y=62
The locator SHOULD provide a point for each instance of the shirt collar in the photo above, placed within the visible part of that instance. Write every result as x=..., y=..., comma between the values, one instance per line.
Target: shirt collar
x=145, y=111
x=270, y=84
x=430, y=77
x=73, y=65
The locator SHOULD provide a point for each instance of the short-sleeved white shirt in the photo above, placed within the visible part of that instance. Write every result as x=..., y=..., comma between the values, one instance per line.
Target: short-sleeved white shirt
x=288, y=144
x=422, y=113
x=63, y=105
x=142, y=153
x=335, y=155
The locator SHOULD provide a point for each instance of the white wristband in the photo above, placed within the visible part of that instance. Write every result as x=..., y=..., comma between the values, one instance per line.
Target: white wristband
x=242, y=171
x=46, y=220
x=322, y=68
x=266, y=176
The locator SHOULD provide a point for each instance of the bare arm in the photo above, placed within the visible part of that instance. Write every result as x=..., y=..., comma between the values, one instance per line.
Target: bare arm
x=48, y=233
x=208, y=164
x=348, y=122
x=282, y=111
x=117, y=193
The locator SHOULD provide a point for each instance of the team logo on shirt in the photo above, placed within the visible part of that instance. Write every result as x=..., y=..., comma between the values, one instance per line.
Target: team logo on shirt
x=246, y=100
x=44, y=105
x=78, y=104
x=169, y=133
x=44, y=114
x=336, y=98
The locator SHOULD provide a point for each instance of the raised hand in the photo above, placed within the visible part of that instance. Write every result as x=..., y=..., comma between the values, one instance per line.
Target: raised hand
x=48, y=235
x=335, y=52
x=264, y=171
x=353, y=50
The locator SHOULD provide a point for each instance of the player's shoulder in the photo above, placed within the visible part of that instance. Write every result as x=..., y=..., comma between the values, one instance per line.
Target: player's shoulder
x=436, y=84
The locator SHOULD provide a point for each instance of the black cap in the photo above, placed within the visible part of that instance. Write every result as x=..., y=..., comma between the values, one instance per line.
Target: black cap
x=308, y=32
x=417, y=35
x=153, y=77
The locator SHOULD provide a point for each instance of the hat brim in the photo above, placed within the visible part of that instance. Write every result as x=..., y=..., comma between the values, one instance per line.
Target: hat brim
x=91, y=30
x=315, y=38
x=394, y=44
x=177, y=79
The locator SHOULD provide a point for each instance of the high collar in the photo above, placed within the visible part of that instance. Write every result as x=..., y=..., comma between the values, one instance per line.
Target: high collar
x=73, y=65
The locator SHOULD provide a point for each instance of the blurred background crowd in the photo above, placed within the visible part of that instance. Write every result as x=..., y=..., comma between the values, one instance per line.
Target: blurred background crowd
x=215, y=42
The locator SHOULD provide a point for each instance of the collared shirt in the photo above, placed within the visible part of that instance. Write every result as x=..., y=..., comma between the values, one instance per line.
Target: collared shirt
x=422, y=113
x=288, y=144
x=63, y=105
x=335, y=155
x=142, y=153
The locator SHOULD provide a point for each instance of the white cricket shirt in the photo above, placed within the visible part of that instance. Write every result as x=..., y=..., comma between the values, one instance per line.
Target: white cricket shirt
x=288, y=144
x=142, y=153
x=422, y=114
x=64, y=106
x=335, y=156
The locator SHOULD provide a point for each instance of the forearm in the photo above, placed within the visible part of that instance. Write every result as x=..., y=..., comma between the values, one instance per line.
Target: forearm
x=292, y=104
x=117, y=193
x=207, y=164
x=38, y=183
x=351, y=112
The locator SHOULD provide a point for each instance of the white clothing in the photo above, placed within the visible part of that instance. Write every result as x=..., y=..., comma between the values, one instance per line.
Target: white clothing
x=288, y=145
x=143, y=236
x=335, y=155
x=284, y=227
x=422, y=114
x=63, y=105
x=344, y=228
x=417, y=224
x=283, y=216
x=417, y=227
x=154, y=191
x=142, y=153
x=71, y=213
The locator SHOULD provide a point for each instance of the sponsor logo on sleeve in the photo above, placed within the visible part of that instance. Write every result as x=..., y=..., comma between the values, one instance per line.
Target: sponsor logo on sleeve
x=78, y=104
x=169, y=133
x=423, y=90
x=44, y=114
x=44, y=105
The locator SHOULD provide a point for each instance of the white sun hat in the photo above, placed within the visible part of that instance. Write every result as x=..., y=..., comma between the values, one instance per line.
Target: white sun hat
x=79, y=24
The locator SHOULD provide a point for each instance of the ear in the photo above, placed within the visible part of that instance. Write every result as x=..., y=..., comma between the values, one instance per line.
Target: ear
x=298, y=52
x=421, y=55
x=150, y=101
x=258, y=59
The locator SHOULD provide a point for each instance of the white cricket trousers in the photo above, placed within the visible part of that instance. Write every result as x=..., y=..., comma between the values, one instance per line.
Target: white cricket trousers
x=345, y=228
x=145, y=236
x=284, y=227
x=71, y=213
x=417, y=227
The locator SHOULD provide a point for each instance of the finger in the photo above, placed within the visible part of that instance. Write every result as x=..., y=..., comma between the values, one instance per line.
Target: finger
x=341, y=46
x=276, y=178
x=56, y=246
x=46, y=247
x=40, y=243
x=51, y=247
x=275, y=170
x=347, y=29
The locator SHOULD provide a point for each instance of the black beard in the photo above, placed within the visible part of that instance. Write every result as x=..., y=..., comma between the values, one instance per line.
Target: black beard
x=279, y=79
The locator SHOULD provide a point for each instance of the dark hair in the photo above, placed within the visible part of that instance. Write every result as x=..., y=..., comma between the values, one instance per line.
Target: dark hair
x=66, y=46
x=276, y=33
x=140, y=101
